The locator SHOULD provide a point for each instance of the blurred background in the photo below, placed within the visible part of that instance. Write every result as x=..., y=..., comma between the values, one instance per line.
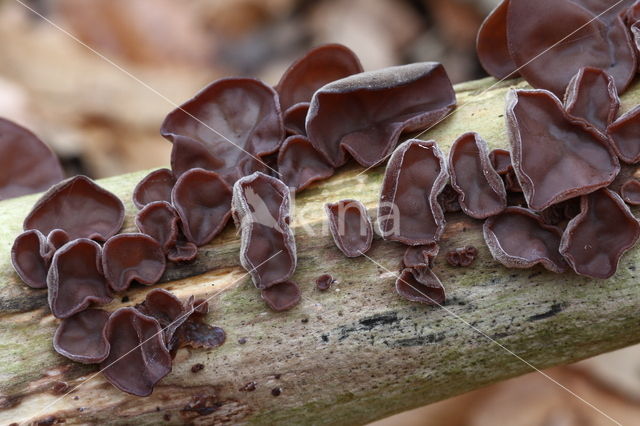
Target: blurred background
x=102, y=121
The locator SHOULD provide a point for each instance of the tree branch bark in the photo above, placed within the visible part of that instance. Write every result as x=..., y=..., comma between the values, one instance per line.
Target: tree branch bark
x=351, y=355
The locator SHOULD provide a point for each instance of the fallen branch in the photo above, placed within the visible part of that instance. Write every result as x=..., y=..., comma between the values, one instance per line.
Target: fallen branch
x=351, y=355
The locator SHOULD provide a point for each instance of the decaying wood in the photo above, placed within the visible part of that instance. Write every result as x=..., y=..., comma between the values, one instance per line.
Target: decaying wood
x=350, y=355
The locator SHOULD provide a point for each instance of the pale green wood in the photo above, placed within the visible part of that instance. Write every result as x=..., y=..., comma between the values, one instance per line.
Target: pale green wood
x=348, y=356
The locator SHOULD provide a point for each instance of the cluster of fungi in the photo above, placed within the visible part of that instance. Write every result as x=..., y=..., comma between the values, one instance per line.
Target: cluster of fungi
x=241, y=147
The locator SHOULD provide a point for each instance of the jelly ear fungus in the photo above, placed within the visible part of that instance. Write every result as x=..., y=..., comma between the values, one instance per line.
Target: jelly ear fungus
x=595, y=240
x=409, y=210
x=350, y=227
x=555, y=156
x=482, y=192
x=420, y=285
x=592, y=96
x=300, y=164
x=82, y=338
x=364, y=114
x=492, y=45
x=624, y=134
x=156, y=186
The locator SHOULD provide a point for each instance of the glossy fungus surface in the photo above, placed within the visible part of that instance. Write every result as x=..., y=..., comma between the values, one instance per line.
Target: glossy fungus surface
x=75, y=278
x=417, y=256
x=420, y=285
x=624, y=134
x=281, y=296
x=350, y=227
x=79, y=207
x=595, y=240
x=28, y=256
x=630, y=192
x=300, y=164
x=409, y=211
x=203, y=202
x=233, y=120
x=462, y=256
x=132, y=257
x=161, y=222
x=448, y=199
x=196, y=334
x=518, y=238
x=168, y=310
x=81, y=337
x=316, y=68
x=583, y=39
x=364, y=114
x=592, y=96
x=295, y=118
x=491, y=44
x=138, y=358
x=555, y=157
x=261, y=211
x=501, y=161
x=324, y=281
x=482, y=192
x=156, y=186
x=27, y=165
x=182, y=251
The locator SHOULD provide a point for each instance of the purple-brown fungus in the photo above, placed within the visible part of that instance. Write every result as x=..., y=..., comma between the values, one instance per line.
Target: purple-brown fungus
x=29, y=258
x=417, y=256
x=235, y=120
x=203, y=202
x=350, y=227
x=132, y=257
x=27, y=165
x=281, y=296
x=501, y=161
x=295, y=119
x=630, y=192
x=75, y=278
x=300, y=164
x=492, y=44
x=81, y=337
x=624, y=134
x=161, y=222
x=448, y=199
x=462, y=256
x=518, y=238
x=555, y=156
x=156, y=186
x=79, y=207
x=168, y=310
x=420, y=285
x=364, y=114
x=261, y=206
x=409, y=211
x=595, y=240
x=592, y=96
x=316, y=68
x=324, y=281
x=138, y=357
x=482, y=192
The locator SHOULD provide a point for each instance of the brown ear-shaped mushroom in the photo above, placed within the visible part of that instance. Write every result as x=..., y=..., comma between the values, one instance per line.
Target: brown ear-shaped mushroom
x=555, y=156
x=420, y=285
x=518, y=238
x=294, y=119
x=156, y=186
x=168, y=310
x=350, y=227
x=233, y=118
x=81, y=337
x=595, y=240
x=501, y=161
x=27, y=165
x=261, y=206
x=409, y=211
x=549, y=55
x=630, y=192
x=75, y=278
x=79, y=207
x=138, y=358
x=482, y=192
x=182, y=251
x=462, y=256
x=281, y=296
x=592, y=96
x=300, y=164
x=448, y=199
x=324, y=281
x=492, y=47
x=624, y=132
x=316, y=68
x=364, y=114
x=28, y=256
x=416, y=256
x=203, y=202
x=160, y=221
x=132, y=257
